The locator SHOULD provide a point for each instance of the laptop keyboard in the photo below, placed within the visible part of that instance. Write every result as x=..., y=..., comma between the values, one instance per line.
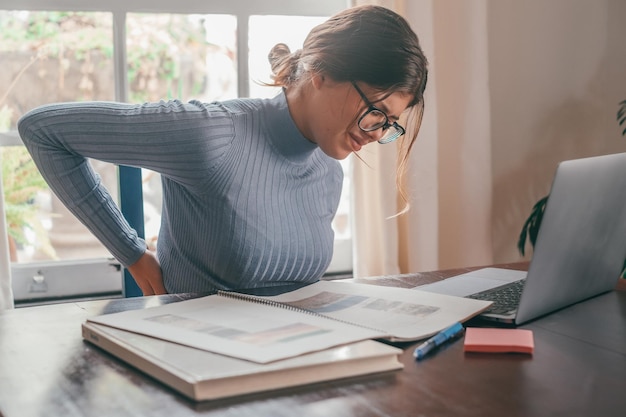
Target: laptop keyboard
x=505, y=297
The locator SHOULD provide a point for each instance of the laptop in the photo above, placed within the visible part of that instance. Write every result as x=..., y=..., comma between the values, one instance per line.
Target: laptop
x=580, y=248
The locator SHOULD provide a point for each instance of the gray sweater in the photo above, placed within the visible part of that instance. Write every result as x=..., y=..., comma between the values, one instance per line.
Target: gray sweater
x=247, y=200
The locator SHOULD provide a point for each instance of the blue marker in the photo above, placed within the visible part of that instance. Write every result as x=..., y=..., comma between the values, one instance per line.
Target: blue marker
x=438, y=340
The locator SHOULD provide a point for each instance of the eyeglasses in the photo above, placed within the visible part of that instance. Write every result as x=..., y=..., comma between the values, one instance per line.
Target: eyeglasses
x=374, y=119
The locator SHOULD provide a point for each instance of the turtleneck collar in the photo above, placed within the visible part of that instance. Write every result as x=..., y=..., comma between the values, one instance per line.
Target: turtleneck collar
x=283, y=132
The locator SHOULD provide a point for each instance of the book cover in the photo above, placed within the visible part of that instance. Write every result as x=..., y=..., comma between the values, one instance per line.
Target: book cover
x=313, y=318
x=202, y=375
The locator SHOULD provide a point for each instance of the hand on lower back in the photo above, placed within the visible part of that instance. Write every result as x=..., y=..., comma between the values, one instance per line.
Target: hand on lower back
x=148, y=275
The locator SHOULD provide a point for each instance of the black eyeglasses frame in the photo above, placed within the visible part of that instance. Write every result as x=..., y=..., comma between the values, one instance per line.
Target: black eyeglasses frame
x=399, y=130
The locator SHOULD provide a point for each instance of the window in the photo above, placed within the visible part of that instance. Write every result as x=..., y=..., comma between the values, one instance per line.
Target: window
x=134, y=50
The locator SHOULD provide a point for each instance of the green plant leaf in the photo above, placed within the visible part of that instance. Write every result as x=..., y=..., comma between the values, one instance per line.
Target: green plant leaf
x=621, y=115
x=530, y=230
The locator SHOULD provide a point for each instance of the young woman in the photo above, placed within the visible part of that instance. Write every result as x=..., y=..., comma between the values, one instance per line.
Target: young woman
x=250, y=186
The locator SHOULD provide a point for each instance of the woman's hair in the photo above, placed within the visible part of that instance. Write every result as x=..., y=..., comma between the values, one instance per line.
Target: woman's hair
x=368, y=44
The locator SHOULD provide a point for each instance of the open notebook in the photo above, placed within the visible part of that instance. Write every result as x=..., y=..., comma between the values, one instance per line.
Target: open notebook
x=580, y=248
x=312, y=318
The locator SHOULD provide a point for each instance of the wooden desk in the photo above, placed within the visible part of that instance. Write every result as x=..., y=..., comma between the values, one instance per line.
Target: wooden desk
x=578, y=369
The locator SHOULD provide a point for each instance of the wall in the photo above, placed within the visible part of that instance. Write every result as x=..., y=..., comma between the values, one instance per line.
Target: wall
x=557, y=74
x=515, y=87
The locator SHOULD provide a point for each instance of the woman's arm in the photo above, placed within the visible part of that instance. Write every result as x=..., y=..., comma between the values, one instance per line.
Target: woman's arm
x=178, y=140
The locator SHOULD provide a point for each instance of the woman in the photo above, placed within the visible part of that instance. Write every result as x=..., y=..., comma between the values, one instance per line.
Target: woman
x=250, y=186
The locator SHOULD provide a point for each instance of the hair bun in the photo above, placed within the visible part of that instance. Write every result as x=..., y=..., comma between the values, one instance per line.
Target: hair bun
x=277, y=55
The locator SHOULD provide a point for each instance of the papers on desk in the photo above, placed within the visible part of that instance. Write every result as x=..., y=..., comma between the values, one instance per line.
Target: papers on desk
x=313, y=318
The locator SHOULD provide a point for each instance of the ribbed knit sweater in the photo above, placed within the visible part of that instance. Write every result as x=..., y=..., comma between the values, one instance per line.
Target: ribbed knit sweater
x=247, y=200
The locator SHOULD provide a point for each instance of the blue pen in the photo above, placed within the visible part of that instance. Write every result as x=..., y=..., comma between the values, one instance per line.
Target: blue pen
x=438, y=340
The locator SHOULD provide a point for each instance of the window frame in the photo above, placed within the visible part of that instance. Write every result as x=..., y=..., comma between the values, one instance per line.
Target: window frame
x=131, y=199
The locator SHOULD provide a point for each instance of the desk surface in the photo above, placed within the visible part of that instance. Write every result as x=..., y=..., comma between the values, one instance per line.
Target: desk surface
x=578, y=369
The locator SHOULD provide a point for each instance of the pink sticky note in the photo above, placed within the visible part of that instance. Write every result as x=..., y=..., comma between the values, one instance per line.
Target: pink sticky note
x=498, y=340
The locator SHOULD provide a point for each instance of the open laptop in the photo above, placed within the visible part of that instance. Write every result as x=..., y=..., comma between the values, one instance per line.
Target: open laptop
x=580, y=248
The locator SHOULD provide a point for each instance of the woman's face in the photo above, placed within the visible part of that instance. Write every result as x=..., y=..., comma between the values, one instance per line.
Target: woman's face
x=335, y=108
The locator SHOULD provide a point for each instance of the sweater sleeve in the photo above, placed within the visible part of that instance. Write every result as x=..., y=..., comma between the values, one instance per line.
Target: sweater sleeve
x=181, y=141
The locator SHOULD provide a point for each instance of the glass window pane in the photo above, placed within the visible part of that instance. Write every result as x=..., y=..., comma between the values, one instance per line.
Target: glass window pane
x=263, y=35
x=179, y=56
x=50, y=57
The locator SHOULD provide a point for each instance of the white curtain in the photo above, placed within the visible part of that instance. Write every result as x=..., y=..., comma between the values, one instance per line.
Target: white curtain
x=6, y=293
x=449, y=175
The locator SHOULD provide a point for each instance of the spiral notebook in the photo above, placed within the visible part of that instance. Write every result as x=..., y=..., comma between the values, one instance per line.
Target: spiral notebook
x=313, y=318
